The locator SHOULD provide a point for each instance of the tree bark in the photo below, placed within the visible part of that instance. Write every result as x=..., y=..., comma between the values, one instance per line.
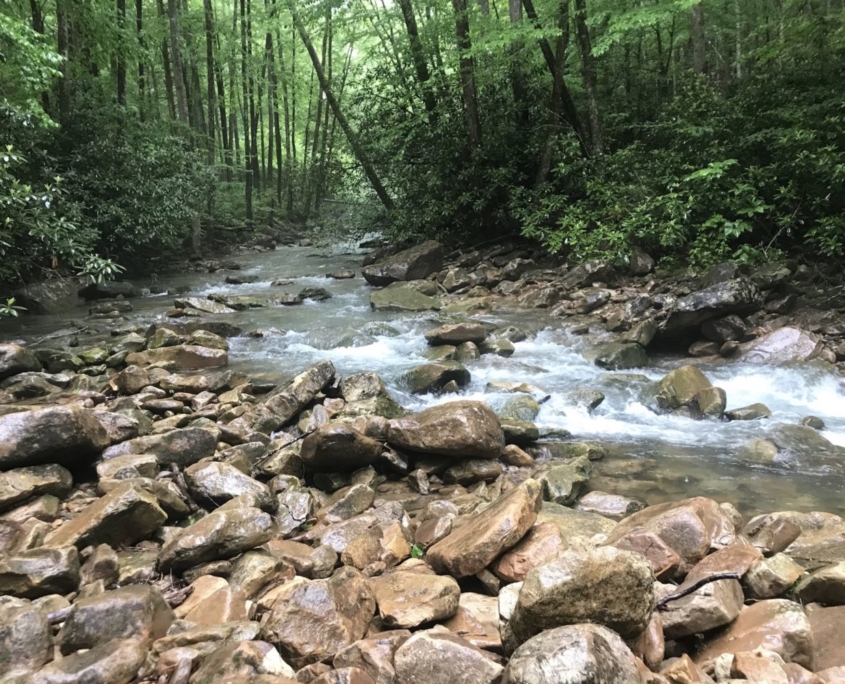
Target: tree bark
x=168, y=74
x=176, y=57
x=121, y=53
x=139, y=32
x=247, y=122
x=467, y=69
x=418, y=57
x=351, y=136
x=555, y=110
x=209, y=75
x=588, y=71
x=699, y=47
x=62, y=44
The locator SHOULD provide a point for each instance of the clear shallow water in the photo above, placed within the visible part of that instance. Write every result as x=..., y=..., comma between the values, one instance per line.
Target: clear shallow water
x=654, y=457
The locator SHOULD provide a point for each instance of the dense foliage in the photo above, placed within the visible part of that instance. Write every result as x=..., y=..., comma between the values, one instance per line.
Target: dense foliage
x=698, y=131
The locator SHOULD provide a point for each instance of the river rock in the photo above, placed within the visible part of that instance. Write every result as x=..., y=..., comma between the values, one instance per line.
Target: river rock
x=15, y=359
x=374, y=655
x=123, y=516
x=286, y=403
x=576, y=654
x=410, y=599
x=59, y=434
x=415, y=263
x=219, y=535
x=204, y=305
x=751, y=412
x=473, y=546
x=137, y=611
x=639, y=262
x=180, y=447
x=216, y=483
x=771, y=577
x=366, y=395
x=772, y=533
x=828, y=627
x=587, y=273
x=714, y=605
x=25, y=636
x=736, y=296
x=691, y=528
x=563, y=483
x=181, y=357
x=542, y=544
x=403, y=299
x=826, y=585
x=113, y=662
x=686, y=387
x=456, y=334
x=434, y=377
x=520, y=432
x=338, y=447
x=313, y=620
x=109, y=289
x=776, y=625
x=460, y=429
x=603, y=586
x=40, y=571
x=21, y=484
x=780, y=346
x=432, y=656
x=619, y=356
x=246, y=661
x=520, y=407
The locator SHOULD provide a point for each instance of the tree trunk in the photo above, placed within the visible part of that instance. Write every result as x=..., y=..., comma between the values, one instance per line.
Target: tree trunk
x=322, y=186
x=286, y=110
x=176, y=58
x=699, y=47
x=520, y=94
x=121, y=53
x=142, y=50
x=247, y=122
x=209, y=76
x=555, y=110
x=418, y=57
x=168, y=74
x=467, y=66
x=588, y=71
x=62, y=43
x=351, y=136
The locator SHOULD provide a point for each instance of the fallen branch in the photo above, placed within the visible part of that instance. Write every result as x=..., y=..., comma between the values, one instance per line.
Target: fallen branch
x=695, y=586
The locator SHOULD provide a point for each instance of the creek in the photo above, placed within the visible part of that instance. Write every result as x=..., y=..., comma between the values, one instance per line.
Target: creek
x=652, y=457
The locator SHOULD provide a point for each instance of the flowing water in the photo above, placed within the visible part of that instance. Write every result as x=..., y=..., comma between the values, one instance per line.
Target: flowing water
x=653, y=457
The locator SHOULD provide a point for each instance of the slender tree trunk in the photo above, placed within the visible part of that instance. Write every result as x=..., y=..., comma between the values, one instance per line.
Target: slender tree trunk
x=520, y=94
x=287, y=113
x=293, y=95
x=176, y=57
x=556, y=108
x=318, y=120
x=588, y=70
x=62, y=43
x=209, y=76
x=351, y=136
x=225, y=135
x=168, y=74
x=306, y=147
x=142, y=51
x=121, y=53
x=273, y=88
x=699, y=46
x=322, y=187
x=418, y=57
x=467, y=66
x=247, y=122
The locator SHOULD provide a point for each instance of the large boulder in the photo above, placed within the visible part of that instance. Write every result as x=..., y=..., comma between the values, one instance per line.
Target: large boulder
x=218, y=536
x=780, y=346
x=59, y=434
x=112, y=662
x=688, y=388
x=108, y=290
x=602, y=586
x=400, y=297
x=577, y=654
x=415, y=263
x=586, y=274
x=49, y=296
x=180, y=357
x=313, y=620
x=23, y=483
x=619, y=356
x=433, y=377
x=456, y=334
x=473, y=546
x=691, y=528
x=216, y=483
x=460, y=429
x=137, y=611
x=286, y=403
x=180, y=447
x=338, y=447
x=431, y=656
x=15, y=359
x=25, y=636
x=125, y=515
x=366, y=395
x=410, y=599
x=738, y=296
x=776, y=625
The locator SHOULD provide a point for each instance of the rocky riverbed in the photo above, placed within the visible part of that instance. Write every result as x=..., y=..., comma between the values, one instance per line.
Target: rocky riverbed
x=192, y=492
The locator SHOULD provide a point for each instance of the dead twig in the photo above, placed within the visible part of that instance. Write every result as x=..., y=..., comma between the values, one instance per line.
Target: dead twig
x=695, y=586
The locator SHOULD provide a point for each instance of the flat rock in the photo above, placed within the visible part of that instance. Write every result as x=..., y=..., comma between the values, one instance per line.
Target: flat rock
x=472, y=547
x=410, y=599
x=124, y=516
x=456, y=334
x=39, y=572
x=286, y=403
x=603, y=586
x=828, y=628
x=24, y=483
x=402, y=299
x=781, y=346
x=338, y=447
x=577, y=654
x=464, y=429
x=180, y=447
x=219, y=535
x=313, y=620
x=181, y=357
x=59, y=434
x=138, y=612
x=15, y=359
x=216, y=483
x=113, y=662
x=438, y=657
x=416, y=263
x=542, y=544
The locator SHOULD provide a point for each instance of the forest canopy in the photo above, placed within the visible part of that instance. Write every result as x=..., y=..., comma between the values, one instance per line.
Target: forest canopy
x=698, y=131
